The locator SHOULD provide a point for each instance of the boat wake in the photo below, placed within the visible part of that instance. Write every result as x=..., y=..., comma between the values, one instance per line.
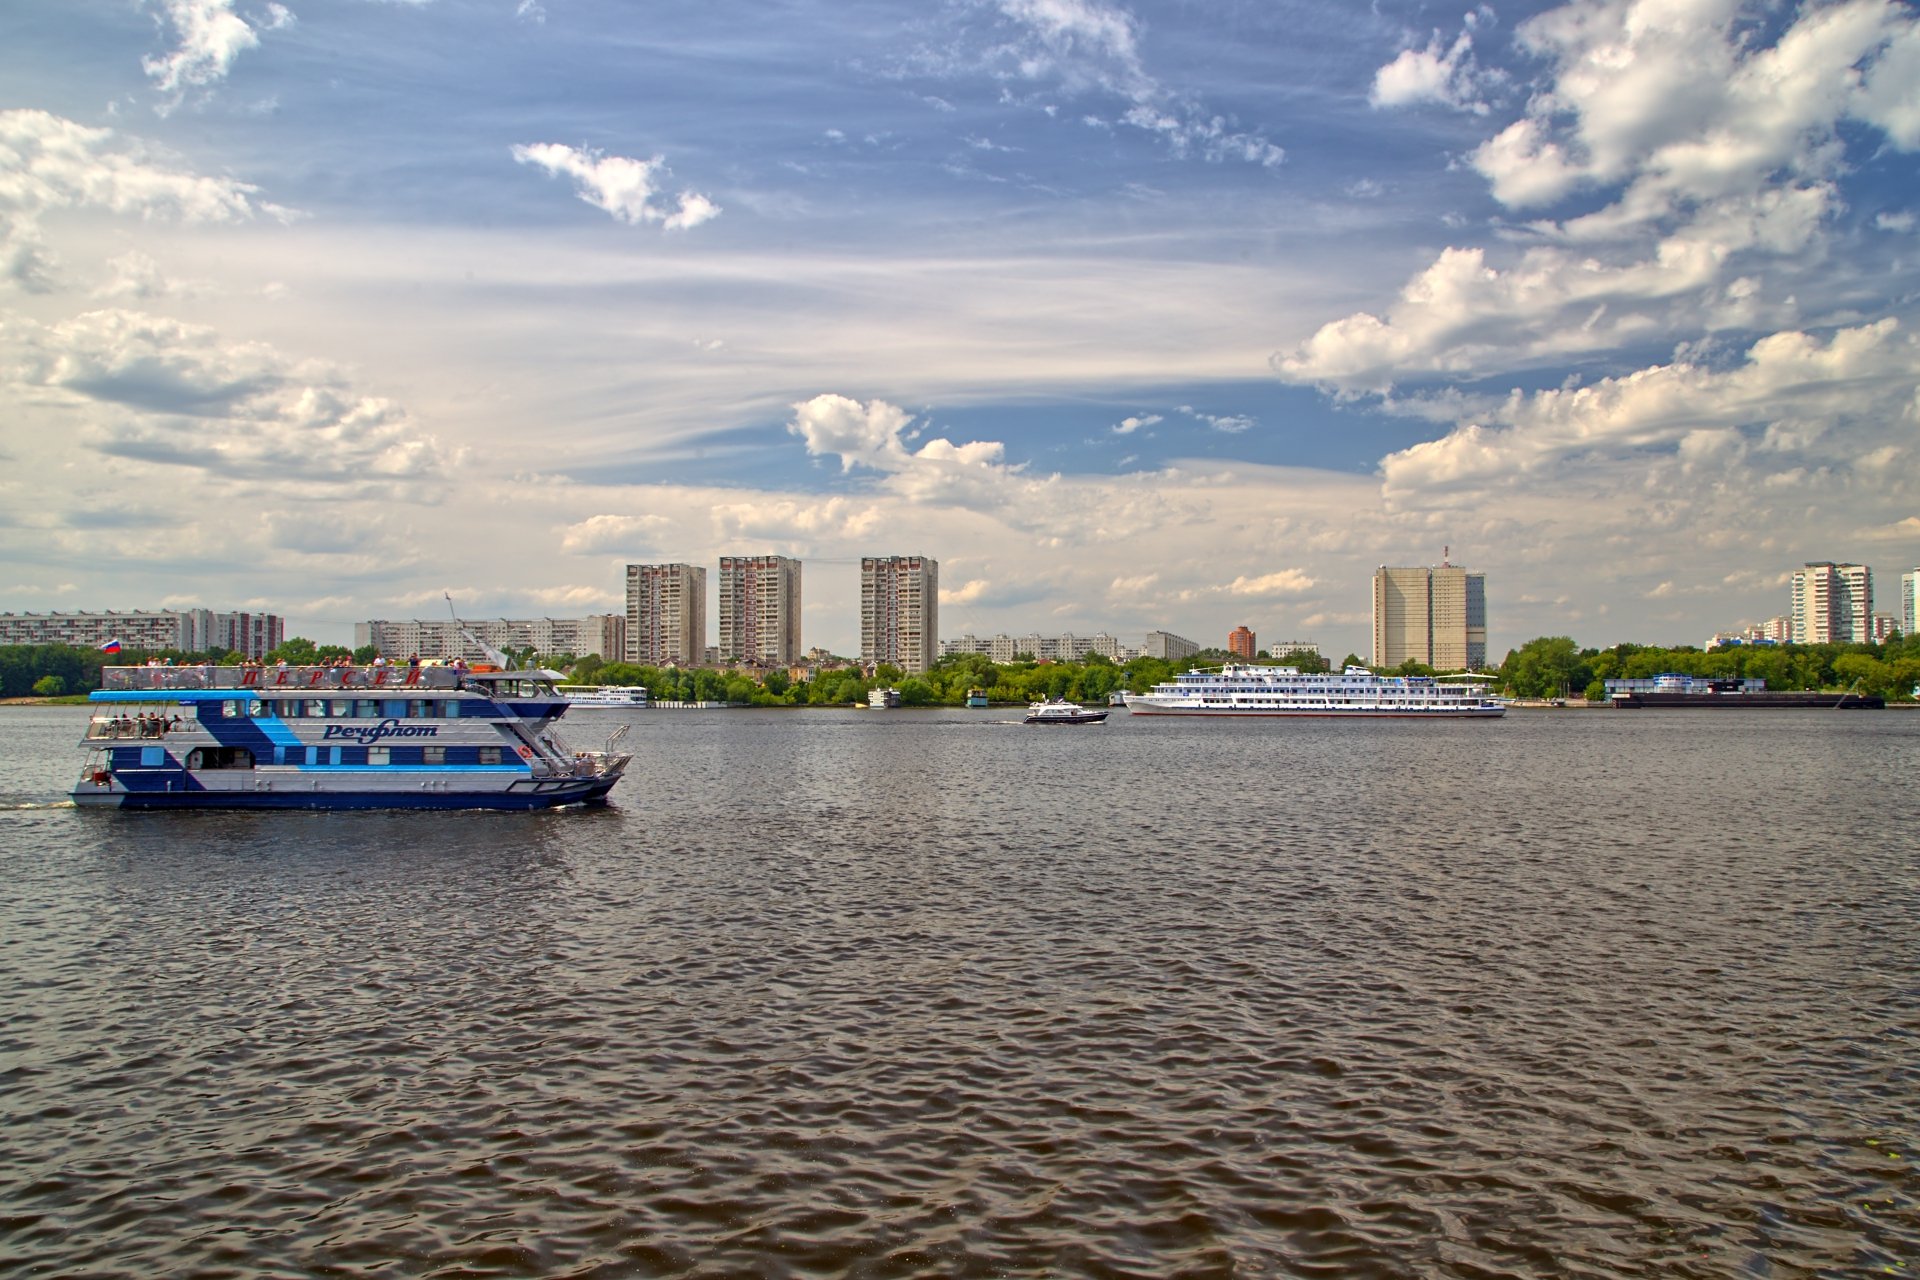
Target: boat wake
x=12, y=805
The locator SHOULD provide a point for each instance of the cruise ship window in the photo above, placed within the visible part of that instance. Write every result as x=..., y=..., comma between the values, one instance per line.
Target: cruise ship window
x=489, y=755
x=364, y=708
x=379, y=755
x=338, y=707
x=433, y=755
x=256, y=708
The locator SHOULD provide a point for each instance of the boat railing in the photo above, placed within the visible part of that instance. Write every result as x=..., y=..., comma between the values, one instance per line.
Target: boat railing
x=208, y=676
x=120, y=728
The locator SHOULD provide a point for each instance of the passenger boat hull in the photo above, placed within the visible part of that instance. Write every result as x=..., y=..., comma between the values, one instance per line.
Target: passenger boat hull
x=265, y=794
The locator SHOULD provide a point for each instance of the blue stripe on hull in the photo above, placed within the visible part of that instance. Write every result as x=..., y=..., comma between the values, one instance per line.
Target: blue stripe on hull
x=151, y=800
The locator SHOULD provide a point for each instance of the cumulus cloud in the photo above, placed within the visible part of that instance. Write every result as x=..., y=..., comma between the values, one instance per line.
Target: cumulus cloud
x=209, y=37
x=1449, y=76
x=625, y=534
x=871, y=435
x=619, y=185
x=157, y=390
x=787, y=521
x=1787, y=398
x=1673, y=99
x=1128, y=426
x=1285, y=582
x=969, y=592
x=1721, y=154
x=49, y=163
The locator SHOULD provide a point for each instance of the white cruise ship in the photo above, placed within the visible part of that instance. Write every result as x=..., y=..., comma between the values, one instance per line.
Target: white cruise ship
x=1355, y=693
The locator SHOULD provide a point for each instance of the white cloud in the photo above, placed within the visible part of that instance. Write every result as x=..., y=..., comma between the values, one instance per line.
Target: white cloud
x=1089, y=46
x=210, y=37
x=968, y=592
x=790, y=522
x=1448, y=77
x=155, y=390
x=1285, y=582
x=135, y=276
x=870, y=435
x=1674, y=99
x=48, y=163
x=1128, y=426
x=626, y=534
x=1785, y=399
x=620, y=185
x=1719, y=153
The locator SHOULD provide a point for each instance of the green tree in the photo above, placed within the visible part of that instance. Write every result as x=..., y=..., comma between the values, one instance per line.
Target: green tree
x=297, y=651
x=365, y=654
x=1546, y=667
x=49, y=686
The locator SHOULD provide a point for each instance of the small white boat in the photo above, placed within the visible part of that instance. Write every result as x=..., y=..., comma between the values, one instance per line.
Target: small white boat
x=880, y=699
x=1060, y=711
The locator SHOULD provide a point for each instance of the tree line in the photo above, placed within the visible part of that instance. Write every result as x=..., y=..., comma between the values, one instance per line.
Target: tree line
x=1554, y=667
x=1545, y=667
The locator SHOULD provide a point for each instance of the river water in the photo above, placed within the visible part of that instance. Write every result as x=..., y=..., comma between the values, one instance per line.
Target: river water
x=862, y=993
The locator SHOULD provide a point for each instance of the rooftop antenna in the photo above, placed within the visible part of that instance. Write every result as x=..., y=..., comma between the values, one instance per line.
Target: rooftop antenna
x=1446, y=553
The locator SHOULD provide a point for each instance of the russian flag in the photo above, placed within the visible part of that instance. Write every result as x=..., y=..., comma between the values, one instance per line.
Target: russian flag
x=111, y=646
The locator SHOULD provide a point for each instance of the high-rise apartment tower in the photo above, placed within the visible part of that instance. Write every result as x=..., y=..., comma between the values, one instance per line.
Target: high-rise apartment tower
x=760, y=610
x=666, y=614
x=1436, y=616
x=900, y=611
x=1832, y=603
x=1909, y=603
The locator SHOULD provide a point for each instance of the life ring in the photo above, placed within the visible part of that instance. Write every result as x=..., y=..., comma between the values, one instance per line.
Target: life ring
x=526, y=753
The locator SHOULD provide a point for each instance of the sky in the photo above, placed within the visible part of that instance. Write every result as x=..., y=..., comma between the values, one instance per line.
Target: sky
x=1182, y=314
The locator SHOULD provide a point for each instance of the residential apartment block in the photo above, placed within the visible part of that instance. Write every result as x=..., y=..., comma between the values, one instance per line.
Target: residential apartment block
x=1167, y=646
x=188, y=630
x=900, y=611
x=1240, y=643
x=1436, y=616
x=760, y=610
x=1068, y=647
x=1832, y=603
x=666, y=614
x=1909, y=602
x=603, y=634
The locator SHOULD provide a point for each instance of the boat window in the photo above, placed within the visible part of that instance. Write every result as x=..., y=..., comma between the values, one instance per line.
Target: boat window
x=489, y=755
x=256, y=708
x=230, y=709
x=394, y=707
x=339, y=707
x=433, y=755
x=364, y=708
x=379, y=755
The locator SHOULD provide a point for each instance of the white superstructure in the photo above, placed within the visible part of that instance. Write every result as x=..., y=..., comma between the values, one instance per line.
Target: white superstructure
x=1356, y=693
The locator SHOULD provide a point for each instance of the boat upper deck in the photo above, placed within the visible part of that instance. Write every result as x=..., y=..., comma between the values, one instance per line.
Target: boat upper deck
x=204, y=681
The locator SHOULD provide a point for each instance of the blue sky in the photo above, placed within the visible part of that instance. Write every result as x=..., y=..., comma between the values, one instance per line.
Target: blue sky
x=1144, y=315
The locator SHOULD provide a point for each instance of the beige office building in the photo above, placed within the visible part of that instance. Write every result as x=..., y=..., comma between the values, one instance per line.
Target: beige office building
x=760, y=610
x=900, y=612
x=1436, y=616
x=666, y=614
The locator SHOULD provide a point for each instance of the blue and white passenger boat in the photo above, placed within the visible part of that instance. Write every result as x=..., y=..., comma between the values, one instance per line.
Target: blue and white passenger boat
x=1353, y=694
x=336, y=738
